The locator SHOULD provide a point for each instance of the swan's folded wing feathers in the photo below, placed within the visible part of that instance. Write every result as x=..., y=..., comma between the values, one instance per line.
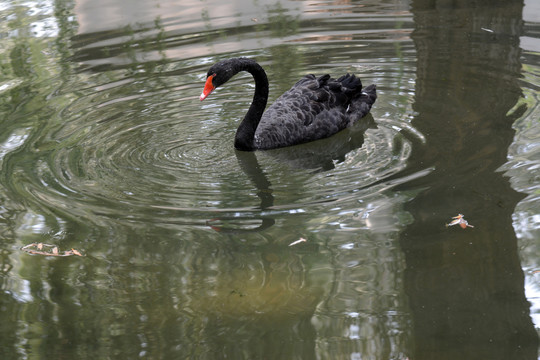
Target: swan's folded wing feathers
x=320, y=96
x=312, y=109
x=309, y=81
x=323, y=80
x=334, y=86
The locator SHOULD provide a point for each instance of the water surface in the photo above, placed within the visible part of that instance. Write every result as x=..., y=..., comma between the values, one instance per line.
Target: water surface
x=106, y=149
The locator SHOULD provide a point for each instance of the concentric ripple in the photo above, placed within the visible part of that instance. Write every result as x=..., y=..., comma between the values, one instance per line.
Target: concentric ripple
x=143, y=145
x=136, y=143
x=138, y=161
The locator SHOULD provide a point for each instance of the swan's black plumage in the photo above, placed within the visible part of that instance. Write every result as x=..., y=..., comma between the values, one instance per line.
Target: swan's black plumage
x=314, y=108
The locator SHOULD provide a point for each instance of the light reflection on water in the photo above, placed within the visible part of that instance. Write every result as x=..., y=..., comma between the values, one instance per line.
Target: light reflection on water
x=523, y=168
x=107, y=149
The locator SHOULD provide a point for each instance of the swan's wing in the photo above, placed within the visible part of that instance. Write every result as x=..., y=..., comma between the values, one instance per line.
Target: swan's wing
x=314, y=108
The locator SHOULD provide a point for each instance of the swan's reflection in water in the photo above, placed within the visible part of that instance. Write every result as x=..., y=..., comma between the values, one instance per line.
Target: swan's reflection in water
x=316, y=156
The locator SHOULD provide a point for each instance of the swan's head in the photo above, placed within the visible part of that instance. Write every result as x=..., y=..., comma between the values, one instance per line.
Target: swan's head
x=218, y=74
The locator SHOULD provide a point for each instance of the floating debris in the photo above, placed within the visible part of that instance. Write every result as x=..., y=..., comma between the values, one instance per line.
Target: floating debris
x=459, y=220
x=301, y=240
x=48, y=250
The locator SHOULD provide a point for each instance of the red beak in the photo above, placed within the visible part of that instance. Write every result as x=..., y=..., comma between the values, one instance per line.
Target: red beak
x=208, y=87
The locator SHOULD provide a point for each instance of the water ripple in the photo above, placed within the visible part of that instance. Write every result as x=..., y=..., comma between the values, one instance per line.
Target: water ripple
x=135, y=142
x=121, y=147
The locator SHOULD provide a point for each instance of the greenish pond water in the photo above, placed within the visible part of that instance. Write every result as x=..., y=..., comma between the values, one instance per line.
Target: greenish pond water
x=106, y=150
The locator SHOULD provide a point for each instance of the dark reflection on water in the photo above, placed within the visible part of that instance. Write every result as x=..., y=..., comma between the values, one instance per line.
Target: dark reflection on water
x=105, y=148
x=466, y=288
x=317, y=156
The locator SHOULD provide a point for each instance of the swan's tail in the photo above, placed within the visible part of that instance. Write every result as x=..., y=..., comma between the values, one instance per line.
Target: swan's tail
x=363, y=101
x=369, y=95
x=352, y=87
x=348, y=91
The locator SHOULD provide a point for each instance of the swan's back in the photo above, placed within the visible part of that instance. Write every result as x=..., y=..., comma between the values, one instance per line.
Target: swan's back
x=314, y=108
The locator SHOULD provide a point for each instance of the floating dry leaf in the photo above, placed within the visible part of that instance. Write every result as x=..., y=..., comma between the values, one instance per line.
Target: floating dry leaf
x=48, y=250
x=301, y=240
x=76, y=252
x=459, y=220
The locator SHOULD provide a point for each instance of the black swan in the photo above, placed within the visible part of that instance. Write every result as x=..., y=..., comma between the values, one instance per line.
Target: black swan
x=314, y=108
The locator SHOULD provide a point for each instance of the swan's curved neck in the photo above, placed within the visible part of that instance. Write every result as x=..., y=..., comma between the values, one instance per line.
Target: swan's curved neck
x=245, y=135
